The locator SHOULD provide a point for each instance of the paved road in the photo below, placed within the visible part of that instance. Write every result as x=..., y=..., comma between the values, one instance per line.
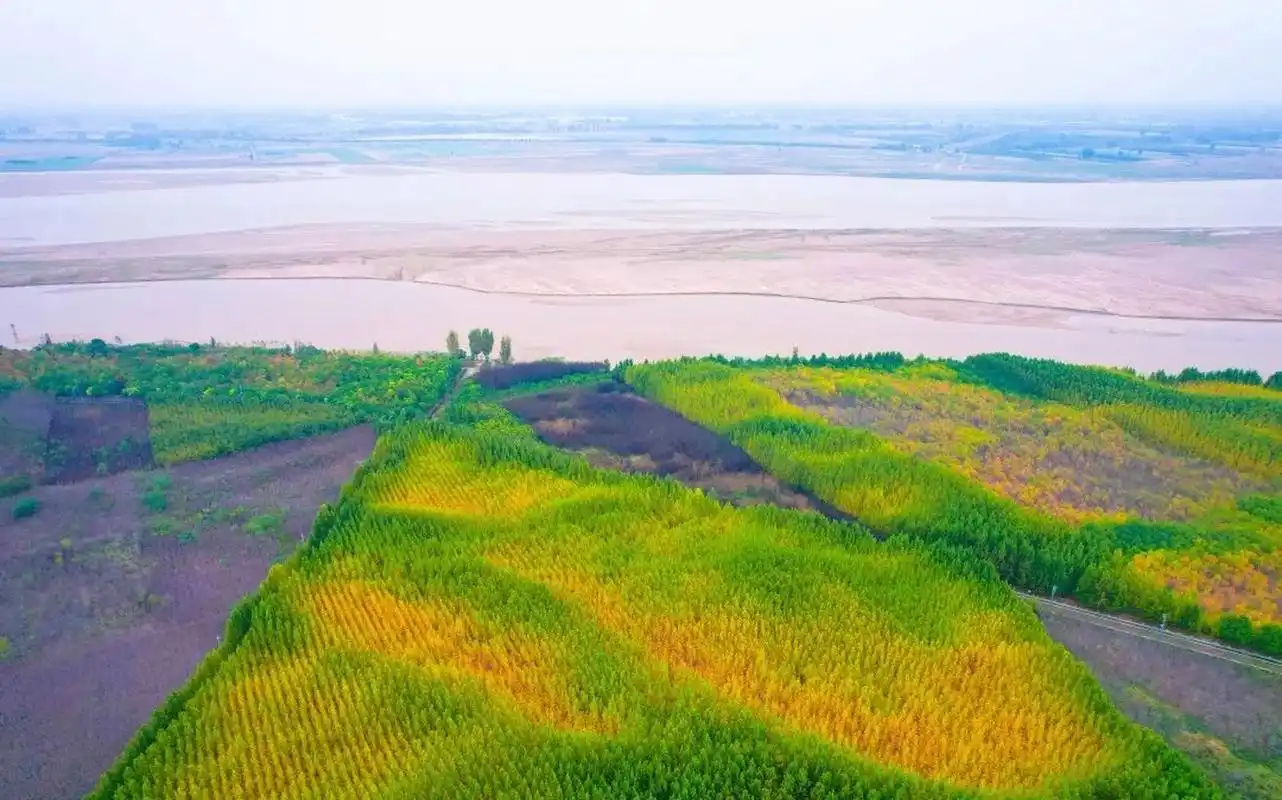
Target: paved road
x=1142, y=630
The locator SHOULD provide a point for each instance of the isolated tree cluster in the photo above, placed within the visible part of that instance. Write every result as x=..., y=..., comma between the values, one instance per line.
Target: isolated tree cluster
x=480, y=344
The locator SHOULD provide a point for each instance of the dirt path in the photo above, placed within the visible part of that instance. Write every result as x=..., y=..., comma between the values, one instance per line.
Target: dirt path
x=113, y=592
x=1210, y=648
x=448, y=397
x=1225, y=715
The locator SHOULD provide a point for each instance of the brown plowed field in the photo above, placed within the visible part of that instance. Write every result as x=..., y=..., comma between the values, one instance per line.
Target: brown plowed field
x=117, y=587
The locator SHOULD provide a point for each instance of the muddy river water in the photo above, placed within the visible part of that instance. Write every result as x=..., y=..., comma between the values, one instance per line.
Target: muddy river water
x=154, y=208
x=404, y=316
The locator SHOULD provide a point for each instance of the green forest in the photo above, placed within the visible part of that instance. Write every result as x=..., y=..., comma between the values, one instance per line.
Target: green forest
x=1174, y=565
x=481, y=615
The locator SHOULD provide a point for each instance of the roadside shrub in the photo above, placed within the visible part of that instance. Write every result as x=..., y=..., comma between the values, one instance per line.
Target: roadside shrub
x=155, y=501
x=14, y=484
x=1269, y=639
x=264, y=523
x=99, y=497
x=26, y=507
x=1236, y=629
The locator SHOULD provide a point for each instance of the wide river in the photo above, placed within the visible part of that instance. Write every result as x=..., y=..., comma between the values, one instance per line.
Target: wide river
x=81, y=208
x=404, y=316
x=577, y=201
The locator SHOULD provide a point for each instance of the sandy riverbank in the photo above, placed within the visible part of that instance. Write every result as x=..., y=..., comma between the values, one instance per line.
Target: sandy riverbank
x=1035, y=277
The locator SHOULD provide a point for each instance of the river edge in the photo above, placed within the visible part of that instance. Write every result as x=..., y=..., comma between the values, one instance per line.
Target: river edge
x=411, y=317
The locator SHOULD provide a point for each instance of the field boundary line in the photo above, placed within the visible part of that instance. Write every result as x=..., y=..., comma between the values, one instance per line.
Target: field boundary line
x=1153, y=633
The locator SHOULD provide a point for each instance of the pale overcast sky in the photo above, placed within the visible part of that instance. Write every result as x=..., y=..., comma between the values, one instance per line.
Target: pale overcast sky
x=375, y=52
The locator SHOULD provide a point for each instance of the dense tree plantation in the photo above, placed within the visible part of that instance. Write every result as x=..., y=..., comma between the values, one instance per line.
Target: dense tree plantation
x=481, y=615
x=1070, y=463
x=208, y=400
x=1127, y=492
x=1099, y=386
x=1216, y=560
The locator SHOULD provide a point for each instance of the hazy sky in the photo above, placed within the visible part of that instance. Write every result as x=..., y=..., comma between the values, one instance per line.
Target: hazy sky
x=373, y=52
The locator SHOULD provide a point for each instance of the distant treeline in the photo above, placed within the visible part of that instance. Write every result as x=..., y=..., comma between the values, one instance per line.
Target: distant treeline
x=1246, y=377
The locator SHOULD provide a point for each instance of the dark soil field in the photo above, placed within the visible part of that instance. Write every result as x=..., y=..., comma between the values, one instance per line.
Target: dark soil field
x=117, y=587
x=64, y=439
x=509, y=375
x=616, y=429
x=1226, y=716
x=24, y=431
x=97, y=436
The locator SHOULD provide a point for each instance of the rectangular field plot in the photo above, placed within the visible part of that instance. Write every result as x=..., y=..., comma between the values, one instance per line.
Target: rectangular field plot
x=616, y=429
x=198, y=430
x=1071, y=463
x=484, y=616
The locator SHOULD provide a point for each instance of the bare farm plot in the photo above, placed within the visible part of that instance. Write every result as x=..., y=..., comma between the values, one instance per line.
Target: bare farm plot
x=616, y=429
x=113, y=591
